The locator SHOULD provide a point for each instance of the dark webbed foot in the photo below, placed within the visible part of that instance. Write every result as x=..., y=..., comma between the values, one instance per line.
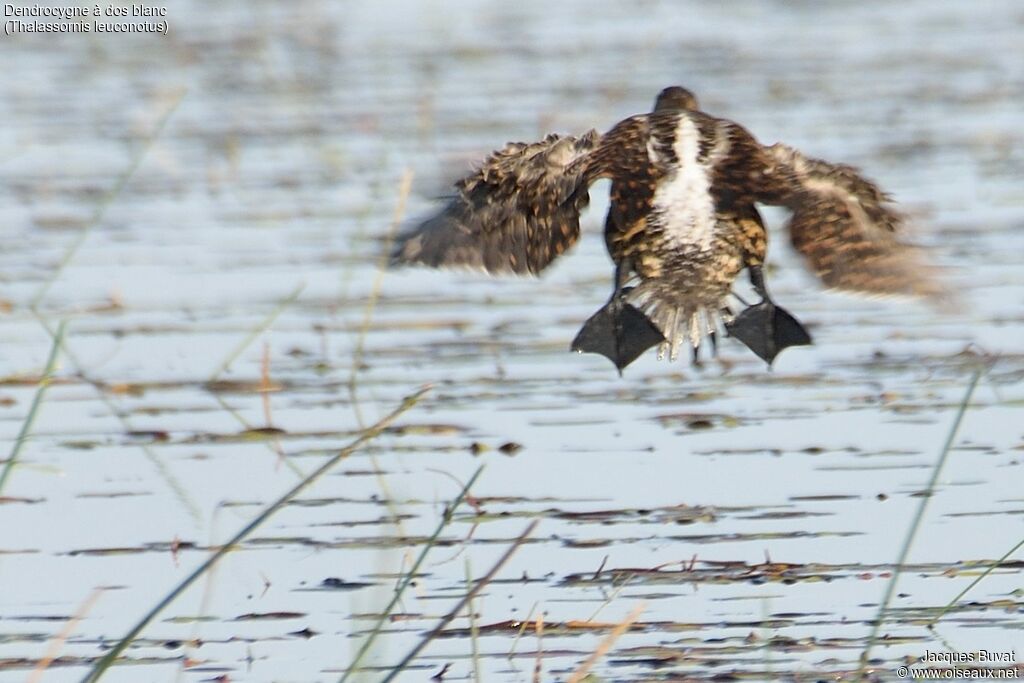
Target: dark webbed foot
x=765, y=328
x=619, y=332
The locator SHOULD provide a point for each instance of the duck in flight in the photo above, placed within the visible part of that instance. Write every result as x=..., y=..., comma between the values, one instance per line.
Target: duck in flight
x=681, y=226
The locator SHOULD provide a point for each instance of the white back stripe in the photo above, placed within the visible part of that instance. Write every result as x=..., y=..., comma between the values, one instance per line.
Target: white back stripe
x=683, y=200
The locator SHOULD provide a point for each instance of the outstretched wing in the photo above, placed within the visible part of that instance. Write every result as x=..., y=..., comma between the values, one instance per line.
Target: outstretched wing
x=847, y=230
x=516, y=214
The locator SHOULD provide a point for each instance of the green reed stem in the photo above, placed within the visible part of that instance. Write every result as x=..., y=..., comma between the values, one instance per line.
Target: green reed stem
x=44, y=383
x=405, y=187
x=446, y=518
x=176, y=486
x=474, y=632
x=976, y=581
x=257, y=331
x=101, y=208
x=890, y=590
x=367, y=435
x=466, y=599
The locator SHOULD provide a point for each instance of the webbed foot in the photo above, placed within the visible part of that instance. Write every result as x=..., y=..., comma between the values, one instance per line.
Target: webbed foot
x=767, y=329
x=619, y=332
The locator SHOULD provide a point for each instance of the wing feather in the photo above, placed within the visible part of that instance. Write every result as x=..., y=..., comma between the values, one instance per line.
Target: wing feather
x=848, y=231
x=515, y=214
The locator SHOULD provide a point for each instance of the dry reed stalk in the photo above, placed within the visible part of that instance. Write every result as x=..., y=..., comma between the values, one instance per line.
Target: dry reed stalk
x=57, y=642
x=606, y=644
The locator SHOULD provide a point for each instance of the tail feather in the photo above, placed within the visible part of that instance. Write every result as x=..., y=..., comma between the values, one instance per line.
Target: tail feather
x=517, y=213
x=847, y=230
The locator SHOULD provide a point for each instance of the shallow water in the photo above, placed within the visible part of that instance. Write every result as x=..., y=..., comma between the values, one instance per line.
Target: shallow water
x=756, y=515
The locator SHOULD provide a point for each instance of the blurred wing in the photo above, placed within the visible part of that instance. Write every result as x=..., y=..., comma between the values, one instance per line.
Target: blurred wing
x=516, y=214
x=846, y=229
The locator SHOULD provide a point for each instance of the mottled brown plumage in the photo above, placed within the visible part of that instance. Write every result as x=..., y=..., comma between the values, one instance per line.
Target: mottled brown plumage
x=517, y=213
x=681, y=226
x=847, y=230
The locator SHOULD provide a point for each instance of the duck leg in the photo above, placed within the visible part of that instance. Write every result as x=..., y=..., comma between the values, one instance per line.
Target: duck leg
x=766, y=329
x=619, y=331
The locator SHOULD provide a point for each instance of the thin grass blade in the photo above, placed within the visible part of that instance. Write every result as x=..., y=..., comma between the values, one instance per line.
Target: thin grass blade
x=890, y=590
x=368, y=435
x=447, y=619
x=37, y=400
x=410, y=575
